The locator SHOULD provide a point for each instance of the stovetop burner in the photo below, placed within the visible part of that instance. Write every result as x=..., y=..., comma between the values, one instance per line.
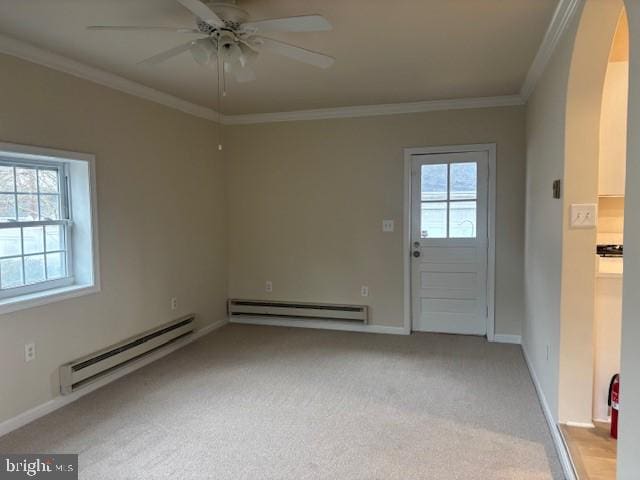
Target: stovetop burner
x=610, y=250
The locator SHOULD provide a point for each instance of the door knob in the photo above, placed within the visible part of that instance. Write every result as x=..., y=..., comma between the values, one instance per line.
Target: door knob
x=416, y=253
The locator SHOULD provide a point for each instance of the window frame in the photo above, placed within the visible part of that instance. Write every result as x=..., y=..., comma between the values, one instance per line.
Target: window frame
x=76, y=179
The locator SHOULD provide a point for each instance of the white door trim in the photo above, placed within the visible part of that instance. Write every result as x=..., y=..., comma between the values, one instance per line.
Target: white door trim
x=490, y=148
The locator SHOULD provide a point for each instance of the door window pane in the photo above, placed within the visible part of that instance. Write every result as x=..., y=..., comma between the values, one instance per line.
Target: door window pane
x=7, y=208
x=462, y=220
x=464, y=181
x=434, y=182
x=55, y=265
x=433, y=220
x=33, y=240
x=11, y=272
x=34, y=269
x=10, y=242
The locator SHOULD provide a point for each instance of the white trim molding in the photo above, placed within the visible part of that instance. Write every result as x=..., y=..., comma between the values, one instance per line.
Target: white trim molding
x=554, y=430
x=376, y=110
x=513, y=339
x=40, y=56
x=491, y=150
x=37, y=55
x=317, y=324
x=60, y=401
x=562, y=17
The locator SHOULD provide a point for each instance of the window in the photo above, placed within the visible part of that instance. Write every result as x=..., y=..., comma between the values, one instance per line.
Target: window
x=449, y=197
x=34, y=222
x=44, y=250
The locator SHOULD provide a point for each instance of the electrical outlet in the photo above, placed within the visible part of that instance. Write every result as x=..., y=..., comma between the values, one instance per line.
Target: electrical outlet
x=174, y=303
x=268, y=286
x=29, y=352
x=364, y=291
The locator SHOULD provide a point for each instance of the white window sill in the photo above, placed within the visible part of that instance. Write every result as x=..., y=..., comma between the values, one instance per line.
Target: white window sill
x=45, y=297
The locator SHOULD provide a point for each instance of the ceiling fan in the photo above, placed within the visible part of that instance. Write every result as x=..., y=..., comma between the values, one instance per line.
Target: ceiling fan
x=230, y=41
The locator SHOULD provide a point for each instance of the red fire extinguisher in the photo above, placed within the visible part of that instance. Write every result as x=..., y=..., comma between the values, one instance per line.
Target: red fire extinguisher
x=614, y=403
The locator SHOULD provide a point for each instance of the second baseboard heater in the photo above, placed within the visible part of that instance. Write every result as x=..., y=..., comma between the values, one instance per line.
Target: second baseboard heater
x=299, y=310
x=80, y=372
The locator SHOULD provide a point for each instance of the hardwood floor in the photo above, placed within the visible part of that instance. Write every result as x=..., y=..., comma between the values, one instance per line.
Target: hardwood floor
x=592, y=450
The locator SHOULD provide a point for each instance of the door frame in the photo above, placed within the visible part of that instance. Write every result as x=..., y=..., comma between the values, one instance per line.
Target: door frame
x=490, y=149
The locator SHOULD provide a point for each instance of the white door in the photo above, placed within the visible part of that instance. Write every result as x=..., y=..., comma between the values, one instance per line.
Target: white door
x=449, y=242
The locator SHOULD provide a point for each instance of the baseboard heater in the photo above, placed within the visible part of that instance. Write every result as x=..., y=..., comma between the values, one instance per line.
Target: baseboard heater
x=80, y=372
x=298, y=310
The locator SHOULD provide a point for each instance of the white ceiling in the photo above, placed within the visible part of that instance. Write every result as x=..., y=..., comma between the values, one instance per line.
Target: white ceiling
x=386, y=51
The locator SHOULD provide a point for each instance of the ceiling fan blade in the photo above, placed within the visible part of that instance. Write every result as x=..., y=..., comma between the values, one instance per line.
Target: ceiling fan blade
x=296, y=53
x=136, y=28
x=203, y=12
x=303, y=23
x=167, y=54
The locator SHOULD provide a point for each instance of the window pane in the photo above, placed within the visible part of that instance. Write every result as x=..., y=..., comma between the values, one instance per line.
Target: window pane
x=27, y=207
x=7, y=208
x=7, y=183
x=10, y=242
x=49, y=207
x=462, y=220
x=464, y=181
x=55, y=266
x=48, y=181
x=26, y=180
x=33, y=240
x=434, y=182
x=54, y=237
x=434, y=220
x=34, y=269
x=11, y=272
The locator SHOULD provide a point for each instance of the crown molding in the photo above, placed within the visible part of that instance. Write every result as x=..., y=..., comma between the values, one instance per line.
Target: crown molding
x=561, y=19
x=31, y=53
x=37, y=55
x=375, y=110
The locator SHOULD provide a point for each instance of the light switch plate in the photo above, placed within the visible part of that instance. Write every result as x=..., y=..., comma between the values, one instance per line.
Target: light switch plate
x=387, y=225
x=584, y=215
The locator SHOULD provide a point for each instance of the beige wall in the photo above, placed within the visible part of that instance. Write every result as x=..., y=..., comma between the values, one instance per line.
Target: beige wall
x=628, y=458
x=161, y=213
x=307, y=200
x=544, y=216
x=589, y=63
x=563, y=122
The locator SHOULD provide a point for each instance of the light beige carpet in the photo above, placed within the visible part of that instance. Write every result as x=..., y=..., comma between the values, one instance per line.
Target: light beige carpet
x=258, y=403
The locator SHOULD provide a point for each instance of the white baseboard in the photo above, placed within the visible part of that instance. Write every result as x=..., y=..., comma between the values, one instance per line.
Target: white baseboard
x=580, y=424
x=561, y=448
x=61, y=400
x=515, y=339
x=318, y=324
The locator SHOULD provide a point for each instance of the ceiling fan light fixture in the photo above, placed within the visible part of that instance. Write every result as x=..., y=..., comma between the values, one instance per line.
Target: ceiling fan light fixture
x=203, y=52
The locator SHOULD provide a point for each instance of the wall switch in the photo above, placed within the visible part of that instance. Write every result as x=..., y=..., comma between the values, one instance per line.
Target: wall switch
x=29, y=352
x=364, y=291
x=174, y=303
x=584, y=215
x=268, y=287
x=387, y=226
